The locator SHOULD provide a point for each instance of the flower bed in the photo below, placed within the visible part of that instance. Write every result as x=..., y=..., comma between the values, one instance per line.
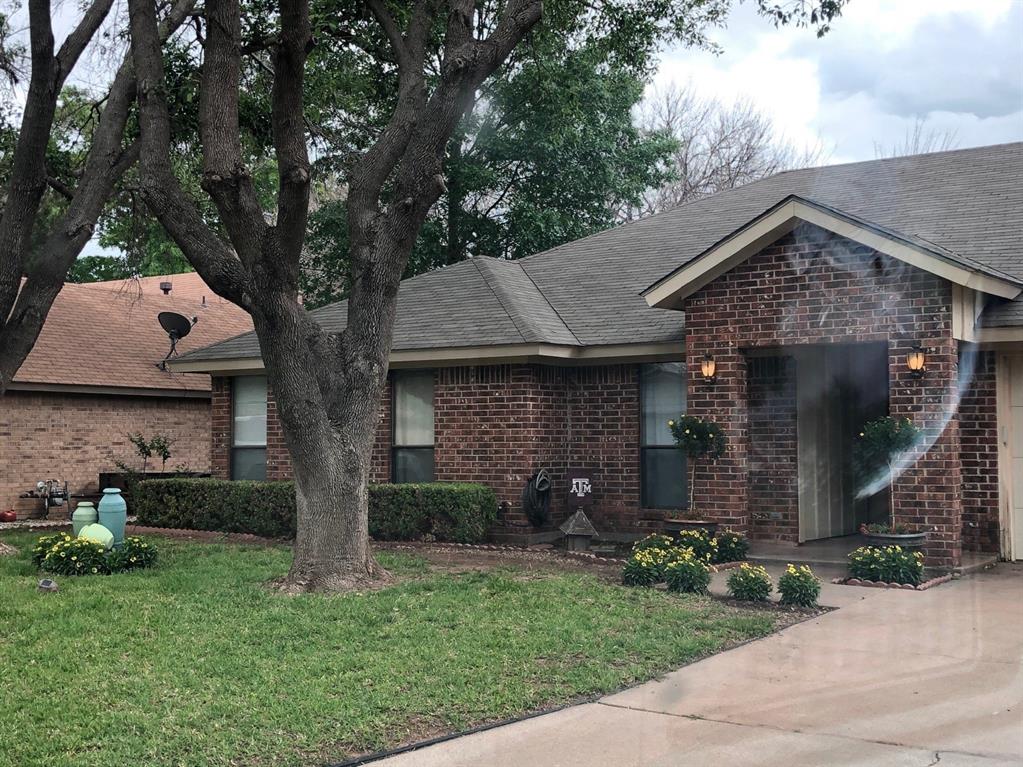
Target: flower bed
x=922, y=586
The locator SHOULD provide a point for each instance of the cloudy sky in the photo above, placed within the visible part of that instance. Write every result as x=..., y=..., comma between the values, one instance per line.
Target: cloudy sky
x=955, y=64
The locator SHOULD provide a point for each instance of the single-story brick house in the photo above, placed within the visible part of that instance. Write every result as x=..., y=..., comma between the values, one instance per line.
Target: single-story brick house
x=808, y=290
x=92, y=378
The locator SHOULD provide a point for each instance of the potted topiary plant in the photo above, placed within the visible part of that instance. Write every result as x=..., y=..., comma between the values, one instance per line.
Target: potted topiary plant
x=880, y=446
x=699, y=440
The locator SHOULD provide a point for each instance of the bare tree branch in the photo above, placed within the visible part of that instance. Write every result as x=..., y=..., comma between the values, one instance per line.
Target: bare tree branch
x=225, y=175
x=289, y=136
x=213, y=259
x=75, y=43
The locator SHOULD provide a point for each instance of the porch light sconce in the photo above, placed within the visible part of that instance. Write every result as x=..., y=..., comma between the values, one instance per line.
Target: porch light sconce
x=916, y=361
x=709, y=369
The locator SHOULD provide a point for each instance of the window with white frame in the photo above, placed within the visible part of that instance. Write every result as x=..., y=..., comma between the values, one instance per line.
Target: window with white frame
x=248, y=427
x=412, y=446
x=662, y=465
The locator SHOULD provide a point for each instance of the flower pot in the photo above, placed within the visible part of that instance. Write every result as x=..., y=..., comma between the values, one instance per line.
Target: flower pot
x=9, y=516
x=674, y=526
x=85, y=514
x=905, y=540
x=113, y=513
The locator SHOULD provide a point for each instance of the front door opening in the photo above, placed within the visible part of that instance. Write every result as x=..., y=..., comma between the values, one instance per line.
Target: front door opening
x=839, y=387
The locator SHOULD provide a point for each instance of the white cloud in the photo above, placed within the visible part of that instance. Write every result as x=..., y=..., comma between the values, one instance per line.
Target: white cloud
x=956, y=63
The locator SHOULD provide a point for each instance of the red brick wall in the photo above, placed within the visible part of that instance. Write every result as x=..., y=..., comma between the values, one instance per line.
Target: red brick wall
x=773, y=471
x=278, y=460
x=74, y=437
x=978, y=435
x=493, y=425
x=812, y=287
x=498, y=424
x=604, y=439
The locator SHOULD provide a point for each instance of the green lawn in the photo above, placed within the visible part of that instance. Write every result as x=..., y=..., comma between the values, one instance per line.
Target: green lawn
x=194, y=663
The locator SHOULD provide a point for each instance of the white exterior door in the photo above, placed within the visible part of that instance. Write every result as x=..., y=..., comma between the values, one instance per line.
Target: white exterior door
x=1010, y=427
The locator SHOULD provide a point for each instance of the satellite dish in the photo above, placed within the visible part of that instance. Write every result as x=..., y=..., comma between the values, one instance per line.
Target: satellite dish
x=177, y=326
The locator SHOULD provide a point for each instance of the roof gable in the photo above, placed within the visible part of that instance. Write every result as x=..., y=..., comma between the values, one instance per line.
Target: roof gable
x=780, y=219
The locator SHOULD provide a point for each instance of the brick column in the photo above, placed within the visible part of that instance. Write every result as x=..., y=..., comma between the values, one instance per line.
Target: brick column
x=721, y=485
x=928, y=493
x=220, y=426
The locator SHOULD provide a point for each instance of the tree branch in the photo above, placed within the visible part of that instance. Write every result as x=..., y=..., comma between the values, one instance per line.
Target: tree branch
x=394, y=35
x=216, y=263
x=79, y=38
x=105, y=164
x=28, y=169
x=289, y=136
x=225, y=175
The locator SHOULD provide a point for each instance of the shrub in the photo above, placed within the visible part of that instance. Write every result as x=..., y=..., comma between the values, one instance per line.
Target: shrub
x=750, y=583
x=687, y=573
x=134, y=554
x=239, y=506
x=798, y=586
x=654, y=541
x=445, y=511
x=76, y=556
x=731, y=547
x=891, y=564
x=646, y=566
x=43, y=546
x=63, y=555
x=700, y=543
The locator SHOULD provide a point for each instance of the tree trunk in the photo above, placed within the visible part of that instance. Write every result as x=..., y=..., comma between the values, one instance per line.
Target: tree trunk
x=331, y=548
x=329, y=414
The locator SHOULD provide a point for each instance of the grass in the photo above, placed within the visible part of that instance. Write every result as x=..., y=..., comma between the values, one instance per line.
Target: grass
x=194, y=663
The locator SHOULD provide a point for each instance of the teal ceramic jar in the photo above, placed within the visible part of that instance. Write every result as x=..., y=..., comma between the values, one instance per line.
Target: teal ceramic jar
x=85, y=514
x=113, y=513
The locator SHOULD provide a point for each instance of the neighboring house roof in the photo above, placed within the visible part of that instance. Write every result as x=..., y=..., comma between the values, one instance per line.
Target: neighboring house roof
x=105, y=335
x=965, y=206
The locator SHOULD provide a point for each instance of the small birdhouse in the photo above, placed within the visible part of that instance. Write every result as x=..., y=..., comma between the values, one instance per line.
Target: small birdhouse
x=578, y=532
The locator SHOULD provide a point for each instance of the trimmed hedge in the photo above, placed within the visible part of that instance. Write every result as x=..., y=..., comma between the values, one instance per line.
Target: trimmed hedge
x=442, y=511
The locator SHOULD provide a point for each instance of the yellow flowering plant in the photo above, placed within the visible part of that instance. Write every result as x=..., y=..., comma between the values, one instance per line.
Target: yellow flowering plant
x=698, y=439
x=75, y=556
x=62, y=554
x=687, y=573
x=700, y=542
x=750, y=583
x=134, y=554
x=799, y=587
x=888, y=564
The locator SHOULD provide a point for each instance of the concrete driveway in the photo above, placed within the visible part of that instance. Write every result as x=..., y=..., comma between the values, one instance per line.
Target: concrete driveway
x=891, y=678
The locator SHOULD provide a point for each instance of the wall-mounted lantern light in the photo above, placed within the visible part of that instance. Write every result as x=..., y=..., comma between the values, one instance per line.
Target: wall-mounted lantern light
x=709, y=368
x=916, y=361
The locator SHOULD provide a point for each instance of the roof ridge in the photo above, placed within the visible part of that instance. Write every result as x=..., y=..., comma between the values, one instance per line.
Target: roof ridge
x=523, y=319
x=476, y=262
x=543, y=295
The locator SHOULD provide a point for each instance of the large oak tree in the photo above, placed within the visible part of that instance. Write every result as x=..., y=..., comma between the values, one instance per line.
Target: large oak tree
x=327, y=384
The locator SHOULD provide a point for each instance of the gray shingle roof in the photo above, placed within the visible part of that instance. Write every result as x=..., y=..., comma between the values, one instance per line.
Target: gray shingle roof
x=967, y=204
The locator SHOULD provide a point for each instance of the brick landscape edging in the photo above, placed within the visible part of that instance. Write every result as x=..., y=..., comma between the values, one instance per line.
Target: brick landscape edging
x=885, y=585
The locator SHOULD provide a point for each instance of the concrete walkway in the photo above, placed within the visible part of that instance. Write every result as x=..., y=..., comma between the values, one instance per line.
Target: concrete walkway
x=891, y=678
